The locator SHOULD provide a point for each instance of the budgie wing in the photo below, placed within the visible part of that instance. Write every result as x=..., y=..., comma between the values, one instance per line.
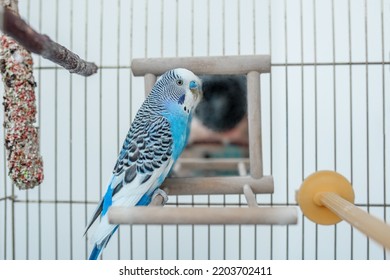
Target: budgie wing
x=142, y=165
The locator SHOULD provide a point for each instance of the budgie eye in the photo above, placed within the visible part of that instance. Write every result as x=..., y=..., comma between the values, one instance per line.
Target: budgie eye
x=179, y=82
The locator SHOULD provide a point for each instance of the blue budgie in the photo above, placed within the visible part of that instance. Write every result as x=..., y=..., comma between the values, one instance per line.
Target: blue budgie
x=154, y=142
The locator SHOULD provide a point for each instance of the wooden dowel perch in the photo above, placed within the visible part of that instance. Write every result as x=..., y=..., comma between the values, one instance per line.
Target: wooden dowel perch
x=150, y=80
x=366, y=223
x=12, y=25
x=326, y=197
x=250, y=196
x=247, y=190
x=203, y=216
x=254, y=122
x=210, y=65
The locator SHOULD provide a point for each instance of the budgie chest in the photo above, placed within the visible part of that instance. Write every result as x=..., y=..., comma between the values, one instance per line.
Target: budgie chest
x=180, y=130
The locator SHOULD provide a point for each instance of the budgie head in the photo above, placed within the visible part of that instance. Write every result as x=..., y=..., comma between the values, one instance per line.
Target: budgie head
x=182, y=91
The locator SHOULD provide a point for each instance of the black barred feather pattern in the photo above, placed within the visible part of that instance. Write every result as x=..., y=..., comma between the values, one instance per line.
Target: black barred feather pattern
x=167, y=85
x=147, y=146
x=148, y=143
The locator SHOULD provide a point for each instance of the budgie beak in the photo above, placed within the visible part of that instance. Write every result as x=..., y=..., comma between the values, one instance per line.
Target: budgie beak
x=194, y=86
x=195, y=89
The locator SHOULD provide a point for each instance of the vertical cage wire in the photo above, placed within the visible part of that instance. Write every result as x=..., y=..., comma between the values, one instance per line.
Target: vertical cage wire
x=324, y=106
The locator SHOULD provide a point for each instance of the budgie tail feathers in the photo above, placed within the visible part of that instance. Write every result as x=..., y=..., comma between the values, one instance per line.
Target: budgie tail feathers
x=97, y=248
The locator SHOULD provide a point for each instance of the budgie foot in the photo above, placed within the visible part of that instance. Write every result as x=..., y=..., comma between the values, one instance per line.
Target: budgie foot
x=162, y=193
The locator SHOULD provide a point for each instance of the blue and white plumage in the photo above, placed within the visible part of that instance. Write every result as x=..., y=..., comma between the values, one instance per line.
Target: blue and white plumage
x=154, y=142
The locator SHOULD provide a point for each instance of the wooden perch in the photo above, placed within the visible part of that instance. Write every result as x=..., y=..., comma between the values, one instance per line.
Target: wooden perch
x=199, y=216
x=363, y=221
x=12, y=25
x=250, y=196
x=210, y=65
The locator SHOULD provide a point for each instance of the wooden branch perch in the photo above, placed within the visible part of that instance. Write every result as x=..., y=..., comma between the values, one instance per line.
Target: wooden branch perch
x=12, y=25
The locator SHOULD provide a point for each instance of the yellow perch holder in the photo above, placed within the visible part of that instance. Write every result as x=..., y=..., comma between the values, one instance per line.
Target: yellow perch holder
x=326, y=198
